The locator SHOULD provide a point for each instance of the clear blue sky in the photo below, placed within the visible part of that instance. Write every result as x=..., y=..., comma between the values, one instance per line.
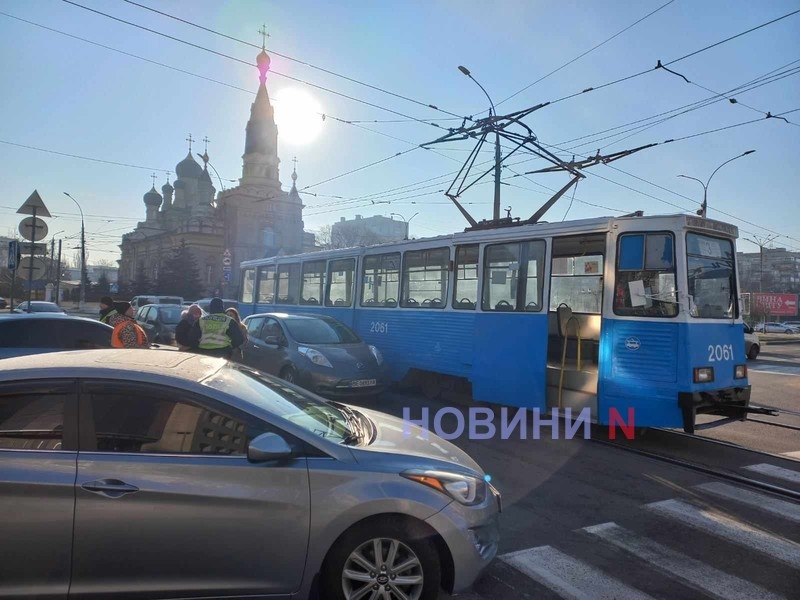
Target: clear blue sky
x=64, y=95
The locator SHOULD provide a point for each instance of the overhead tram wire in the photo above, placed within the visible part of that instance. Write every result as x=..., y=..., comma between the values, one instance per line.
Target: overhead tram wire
x=527, y=87
x=290, y=58
x=249, y=64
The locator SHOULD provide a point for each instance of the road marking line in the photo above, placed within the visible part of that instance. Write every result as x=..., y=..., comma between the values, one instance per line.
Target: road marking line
x=772, y=505
x=569, y=577
x=720, y=525
x=698, y=574
x=774, y=471
x=795, y=454
x=776, y=370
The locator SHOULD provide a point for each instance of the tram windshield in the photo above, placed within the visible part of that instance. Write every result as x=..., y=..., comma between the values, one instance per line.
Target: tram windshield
x=712, y=283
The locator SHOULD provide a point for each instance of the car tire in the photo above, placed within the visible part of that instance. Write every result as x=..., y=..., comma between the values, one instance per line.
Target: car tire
x=356, y=547
x=754, y=349
x=289, y=374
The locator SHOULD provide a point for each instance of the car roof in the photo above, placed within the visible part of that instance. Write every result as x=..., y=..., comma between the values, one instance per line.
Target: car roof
x=117, y=363
x=46, y=316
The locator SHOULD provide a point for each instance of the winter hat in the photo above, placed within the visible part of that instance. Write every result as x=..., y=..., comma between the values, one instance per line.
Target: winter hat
x=122, y=307
x=216, y=306
x=107, y=301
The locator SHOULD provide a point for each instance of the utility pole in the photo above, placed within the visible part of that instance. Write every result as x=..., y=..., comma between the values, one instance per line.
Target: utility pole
x=704, y=207
x=761, y=242
x=83, y=254
x=58, y=274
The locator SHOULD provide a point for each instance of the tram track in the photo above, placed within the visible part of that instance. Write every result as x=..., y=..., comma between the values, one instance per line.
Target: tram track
x=717, y=473
x=783, y=425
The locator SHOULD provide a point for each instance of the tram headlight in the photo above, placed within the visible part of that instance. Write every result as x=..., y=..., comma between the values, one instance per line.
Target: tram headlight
x=704, y=374
x=740, y=372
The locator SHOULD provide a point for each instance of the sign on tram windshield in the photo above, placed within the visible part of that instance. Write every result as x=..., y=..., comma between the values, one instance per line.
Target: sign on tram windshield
x=714, y=225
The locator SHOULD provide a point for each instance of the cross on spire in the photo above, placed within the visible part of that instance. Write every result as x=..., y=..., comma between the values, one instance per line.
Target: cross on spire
x=190, y=140
x=168, y=174
x=294, y=160
x=206, y=140
x=264, y=36
x=153, y=177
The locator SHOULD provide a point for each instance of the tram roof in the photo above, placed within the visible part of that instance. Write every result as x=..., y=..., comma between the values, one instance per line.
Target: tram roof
x=576, y=227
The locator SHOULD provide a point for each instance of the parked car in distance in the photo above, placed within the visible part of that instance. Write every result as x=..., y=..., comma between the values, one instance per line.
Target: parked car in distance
x=795, y=324
x=159, y=321
x=36, y=333
x=106, y=453
x=3, y=303
x=774, y=327
x=316, y=352
x=139, y=301
x=752, y=343
x=37, y=306
x=226, y=302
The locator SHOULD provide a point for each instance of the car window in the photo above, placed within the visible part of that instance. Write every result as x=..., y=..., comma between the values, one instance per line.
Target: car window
x=254, y=324
x=320, y=331
x=271, y=329
x=170, y=315
x=148, y=421
x=32, y=420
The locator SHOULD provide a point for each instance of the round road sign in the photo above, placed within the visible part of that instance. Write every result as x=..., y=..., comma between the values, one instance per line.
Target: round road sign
x=39, y=267
x=226, y=261
x=33, y=231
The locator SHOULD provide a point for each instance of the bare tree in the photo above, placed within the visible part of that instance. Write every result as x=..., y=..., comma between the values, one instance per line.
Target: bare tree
x=346, y=237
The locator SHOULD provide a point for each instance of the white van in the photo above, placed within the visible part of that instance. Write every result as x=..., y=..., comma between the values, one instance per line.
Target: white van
x=140, y=301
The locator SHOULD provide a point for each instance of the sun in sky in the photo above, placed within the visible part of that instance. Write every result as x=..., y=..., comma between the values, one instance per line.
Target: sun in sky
x=298, y=116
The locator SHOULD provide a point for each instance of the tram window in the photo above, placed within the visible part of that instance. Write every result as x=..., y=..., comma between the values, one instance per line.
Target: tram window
x=711, y=282
x=248, y=283
x=313, y=282
x=381, y=276
x=341, y=275
x=465, y=286
x=577, y=281
x=645, y=285
x=266, y=285
x=425, y=275
x=534, y=276
x=512, y=276
x=288, y=283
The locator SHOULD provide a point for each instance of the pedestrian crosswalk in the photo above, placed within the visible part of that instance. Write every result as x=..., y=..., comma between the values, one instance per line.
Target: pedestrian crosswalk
x=714, y=509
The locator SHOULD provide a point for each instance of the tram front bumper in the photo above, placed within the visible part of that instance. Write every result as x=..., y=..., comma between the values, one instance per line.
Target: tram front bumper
x=732, y=403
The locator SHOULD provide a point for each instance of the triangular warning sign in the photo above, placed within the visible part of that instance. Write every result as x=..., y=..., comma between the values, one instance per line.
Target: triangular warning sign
x=34, y=201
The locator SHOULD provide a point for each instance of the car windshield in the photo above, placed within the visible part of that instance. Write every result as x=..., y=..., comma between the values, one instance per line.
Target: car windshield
x=45, y=307
x=314, y=415
x=320, y=331
x=711, y=277
x=171, y=315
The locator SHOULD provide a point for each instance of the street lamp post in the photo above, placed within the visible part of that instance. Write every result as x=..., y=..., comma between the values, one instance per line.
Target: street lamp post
x=704, y=207
x=497, y=155
x=404, y=220
x=83, y=255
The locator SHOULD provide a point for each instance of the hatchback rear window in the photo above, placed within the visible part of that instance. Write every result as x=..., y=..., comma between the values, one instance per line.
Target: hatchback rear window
x=319, y=331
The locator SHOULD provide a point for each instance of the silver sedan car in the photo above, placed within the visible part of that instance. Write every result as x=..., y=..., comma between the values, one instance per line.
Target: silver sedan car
x=147, y=474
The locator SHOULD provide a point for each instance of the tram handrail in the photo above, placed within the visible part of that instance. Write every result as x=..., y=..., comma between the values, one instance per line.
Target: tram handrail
x=564, y=353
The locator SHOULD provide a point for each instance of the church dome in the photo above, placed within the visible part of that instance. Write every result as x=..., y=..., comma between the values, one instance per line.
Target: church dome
x=188, y=168
x=263, y=60
x=167, y=189
x=180, y=184
x=153, y=198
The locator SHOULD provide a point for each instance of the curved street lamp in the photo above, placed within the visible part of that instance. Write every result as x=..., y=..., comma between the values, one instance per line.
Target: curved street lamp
x=497, y=155
x=83, y=255
x=704, y=206
x=404, y=220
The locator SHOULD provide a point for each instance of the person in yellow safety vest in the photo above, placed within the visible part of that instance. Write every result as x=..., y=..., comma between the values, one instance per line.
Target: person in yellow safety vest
x=127, y=332
x=106, y=309
x=215, y=333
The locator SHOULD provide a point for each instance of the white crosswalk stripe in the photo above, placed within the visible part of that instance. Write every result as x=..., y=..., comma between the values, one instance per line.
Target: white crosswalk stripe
x=775, y=471
x=569, y=577
x=720, y=525
x=788, y=510
x=699, y=575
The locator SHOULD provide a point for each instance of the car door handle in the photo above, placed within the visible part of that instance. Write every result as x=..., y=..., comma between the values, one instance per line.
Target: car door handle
x=113, y=488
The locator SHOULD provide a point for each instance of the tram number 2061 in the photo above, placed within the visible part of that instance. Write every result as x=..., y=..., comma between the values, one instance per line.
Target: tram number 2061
x=378, y=327
x=720, y=353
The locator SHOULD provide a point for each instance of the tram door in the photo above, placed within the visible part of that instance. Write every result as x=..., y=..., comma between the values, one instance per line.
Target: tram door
x=576, y=285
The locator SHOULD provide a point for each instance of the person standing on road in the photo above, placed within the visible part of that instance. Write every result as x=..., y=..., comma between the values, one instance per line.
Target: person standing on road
x=238, y=353
x=216, y=334
x=184, y=329
x=127, y=332
x=106, y=308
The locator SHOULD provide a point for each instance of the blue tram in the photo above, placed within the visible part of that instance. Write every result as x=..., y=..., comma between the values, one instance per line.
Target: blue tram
x=610, y=314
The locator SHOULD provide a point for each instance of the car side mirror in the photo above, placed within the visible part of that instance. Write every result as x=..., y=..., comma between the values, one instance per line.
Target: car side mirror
x=266, y=447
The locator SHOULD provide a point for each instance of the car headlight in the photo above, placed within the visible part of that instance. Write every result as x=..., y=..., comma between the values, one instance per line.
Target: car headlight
x=465, y=489
x=315, y=356
x=377, y=354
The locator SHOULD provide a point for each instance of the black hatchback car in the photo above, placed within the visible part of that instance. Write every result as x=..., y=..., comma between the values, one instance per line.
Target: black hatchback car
x=35, y=333
x=316, y=352
x=159, y=321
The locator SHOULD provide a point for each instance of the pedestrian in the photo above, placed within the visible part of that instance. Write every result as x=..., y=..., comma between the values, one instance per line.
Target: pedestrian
x=106, y=308
x=127, y=332
x=216, y=334
x=238, y=353
x=184, y=328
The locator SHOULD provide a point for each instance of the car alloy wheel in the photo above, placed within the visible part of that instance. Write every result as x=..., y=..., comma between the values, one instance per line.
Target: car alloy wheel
x=383, y=565
x=289, y=375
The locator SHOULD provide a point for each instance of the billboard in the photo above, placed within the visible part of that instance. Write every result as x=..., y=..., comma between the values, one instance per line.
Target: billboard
x=775, y=305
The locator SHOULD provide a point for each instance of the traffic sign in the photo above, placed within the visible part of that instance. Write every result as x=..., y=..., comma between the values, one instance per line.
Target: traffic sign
x=39, y=268
x=226, y=276
x=34, y=203
x=13, y=254
x=33, y=230
x=227, y=253
x=36, y=249
x=226, y=261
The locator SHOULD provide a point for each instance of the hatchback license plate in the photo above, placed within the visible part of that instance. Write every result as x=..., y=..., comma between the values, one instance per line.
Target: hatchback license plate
x=363, y=383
